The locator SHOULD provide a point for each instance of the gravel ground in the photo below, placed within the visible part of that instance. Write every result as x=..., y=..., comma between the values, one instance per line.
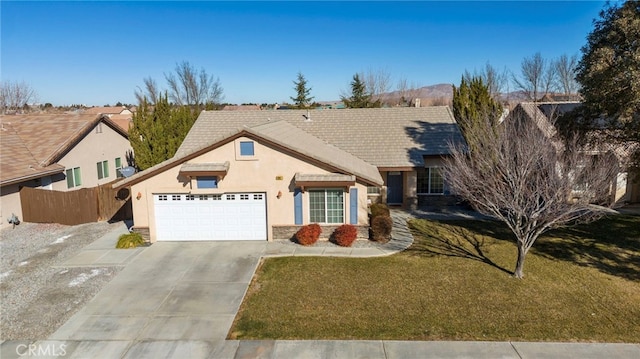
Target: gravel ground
x=36, y=299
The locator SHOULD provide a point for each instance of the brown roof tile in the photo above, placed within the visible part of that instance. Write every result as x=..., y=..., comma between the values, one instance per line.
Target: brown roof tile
x=40, y=141
x=386, y=137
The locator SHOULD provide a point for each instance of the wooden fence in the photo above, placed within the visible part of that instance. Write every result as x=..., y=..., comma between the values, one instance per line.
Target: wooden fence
x=84, y=205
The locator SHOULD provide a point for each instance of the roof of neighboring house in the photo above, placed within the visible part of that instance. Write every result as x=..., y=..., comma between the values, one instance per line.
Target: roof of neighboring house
x=383, y=137
x=39, y=141
x=241, y=108
x=123, y=121
x=277, y=133
x=106, y=110
x=534, y=112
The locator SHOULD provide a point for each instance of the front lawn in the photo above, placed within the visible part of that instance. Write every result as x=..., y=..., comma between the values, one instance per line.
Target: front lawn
x=454, y=283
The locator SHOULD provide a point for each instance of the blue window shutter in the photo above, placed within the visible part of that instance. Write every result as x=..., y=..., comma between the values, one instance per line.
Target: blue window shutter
x=353, y=206
x=297, y=205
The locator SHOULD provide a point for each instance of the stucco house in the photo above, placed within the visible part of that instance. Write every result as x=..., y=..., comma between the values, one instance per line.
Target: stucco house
x=260, y=174
x=60, y=152
x=623, y=189
x=120, y=115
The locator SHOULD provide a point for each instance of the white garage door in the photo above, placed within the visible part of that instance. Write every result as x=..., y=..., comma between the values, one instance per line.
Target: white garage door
x=210, y=217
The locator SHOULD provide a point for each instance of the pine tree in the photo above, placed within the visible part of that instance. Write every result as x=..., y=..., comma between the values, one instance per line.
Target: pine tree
x=359, y=98
x=157, y=133
x=474, y=109
x=302, y=99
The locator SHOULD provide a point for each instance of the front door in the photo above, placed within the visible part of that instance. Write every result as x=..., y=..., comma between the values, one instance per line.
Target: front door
x=394, y=188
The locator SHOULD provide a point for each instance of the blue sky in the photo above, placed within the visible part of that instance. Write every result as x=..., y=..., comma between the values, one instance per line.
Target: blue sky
x=97, y=53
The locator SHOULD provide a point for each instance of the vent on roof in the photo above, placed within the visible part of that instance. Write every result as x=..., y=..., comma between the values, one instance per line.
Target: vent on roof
x=307, y=117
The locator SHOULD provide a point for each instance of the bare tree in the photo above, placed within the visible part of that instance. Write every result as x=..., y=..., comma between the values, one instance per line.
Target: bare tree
x=536, y=77
x=189, y=86
x=377, y=83
x=150, y=92
x=15, y=95
x=529, y=181
x=407, y=92
x=565, y=71
x=497, y=81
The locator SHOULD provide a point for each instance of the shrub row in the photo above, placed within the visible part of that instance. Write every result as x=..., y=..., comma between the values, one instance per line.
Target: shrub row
x=381, y=223
x=344, y=235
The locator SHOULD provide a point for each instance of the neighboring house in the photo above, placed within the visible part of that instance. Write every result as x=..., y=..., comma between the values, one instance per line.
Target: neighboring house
x=623, y=188
x=57, y=152
x=120, y=115
x=260, y=174
x=241, y=108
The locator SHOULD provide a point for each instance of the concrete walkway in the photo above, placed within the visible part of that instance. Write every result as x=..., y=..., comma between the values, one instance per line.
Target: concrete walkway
x=178, y=300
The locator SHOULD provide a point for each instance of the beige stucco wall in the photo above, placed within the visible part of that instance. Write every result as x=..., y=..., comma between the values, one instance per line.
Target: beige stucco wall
x=9, y=203
x=258, y=174
x=94, y=147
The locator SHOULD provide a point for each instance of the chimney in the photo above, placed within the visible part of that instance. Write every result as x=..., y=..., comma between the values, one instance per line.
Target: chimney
x=417, y=101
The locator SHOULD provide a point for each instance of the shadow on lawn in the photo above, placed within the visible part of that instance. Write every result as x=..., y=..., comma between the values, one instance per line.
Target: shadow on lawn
x=461, y=239
x=611, y=245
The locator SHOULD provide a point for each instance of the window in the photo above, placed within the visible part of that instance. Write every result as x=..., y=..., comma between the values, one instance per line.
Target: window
x=73, y=177
x=162, y=197
x=373, y=190
x=118, y=167
x=176, y=197
x=190, y=197
x=244, y=197
x=246, y=148
x=326, y=206
x=430, y=181
x=207, y=182
x=103, y=169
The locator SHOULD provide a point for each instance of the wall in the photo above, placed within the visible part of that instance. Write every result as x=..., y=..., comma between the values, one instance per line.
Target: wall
x=94, y=147
x=258, y=174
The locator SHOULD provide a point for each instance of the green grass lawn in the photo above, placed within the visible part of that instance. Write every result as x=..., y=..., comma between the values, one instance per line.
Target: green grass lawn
x=455, y=283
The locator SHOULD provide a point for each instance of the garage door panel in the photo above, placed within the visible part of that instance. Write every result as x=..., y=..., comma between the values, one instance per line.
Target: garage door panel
x=234, y=216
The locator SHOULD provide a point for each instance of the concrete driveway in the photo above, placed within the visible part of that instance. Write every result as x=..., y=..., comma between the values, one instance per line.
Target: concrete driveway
x=174, y=297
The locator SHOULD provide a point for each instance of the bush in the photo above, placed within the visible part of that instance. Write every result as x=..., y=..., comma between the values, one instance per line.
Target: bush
x=345, y=235
x=381, y=228
x=130, y=240
x=309, y=234
x=379, y=209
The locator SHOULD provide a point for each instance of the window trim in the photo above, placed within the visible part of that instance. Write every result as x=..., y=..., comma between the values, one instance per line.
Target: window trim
x=75, y=172
x=198, y=179
x=252, y=148
x=103, y=169
x=118, y=173
x=326, y=209
x=428, y=174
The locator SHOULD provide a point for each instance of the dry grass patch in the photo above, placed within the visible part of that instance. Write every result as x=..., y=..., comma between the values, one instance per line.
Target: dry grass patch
x=454, y=283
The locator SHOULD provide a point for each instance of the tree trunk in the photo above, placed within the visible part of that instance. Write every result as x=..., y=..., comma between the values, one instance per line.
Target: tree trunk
x=520, y=263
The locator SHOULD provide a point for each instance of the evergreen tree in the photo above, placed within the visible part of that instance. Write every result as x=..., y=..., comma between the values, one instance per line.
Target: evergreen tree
x=609, y=75
x=157, y=133
x=474, y=108
x=360, y=97
x=302, y=99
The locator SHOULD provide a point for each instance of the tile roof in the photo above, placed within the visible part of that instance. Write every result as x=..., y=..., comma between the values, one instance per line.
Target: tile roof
x=331, y=177
x=384, y=137
x=17, y=164
x=293, y=138
x=205, y=167
x=41, y=140
x=123, y=121
x=107, y=110
x=279, y=133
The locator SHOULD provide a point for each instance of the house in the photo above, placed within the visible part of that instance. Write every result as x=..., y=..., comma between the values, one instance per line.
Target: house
x=57, y=152
x=623, y=188
x=260, y=174
x=120, y=115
